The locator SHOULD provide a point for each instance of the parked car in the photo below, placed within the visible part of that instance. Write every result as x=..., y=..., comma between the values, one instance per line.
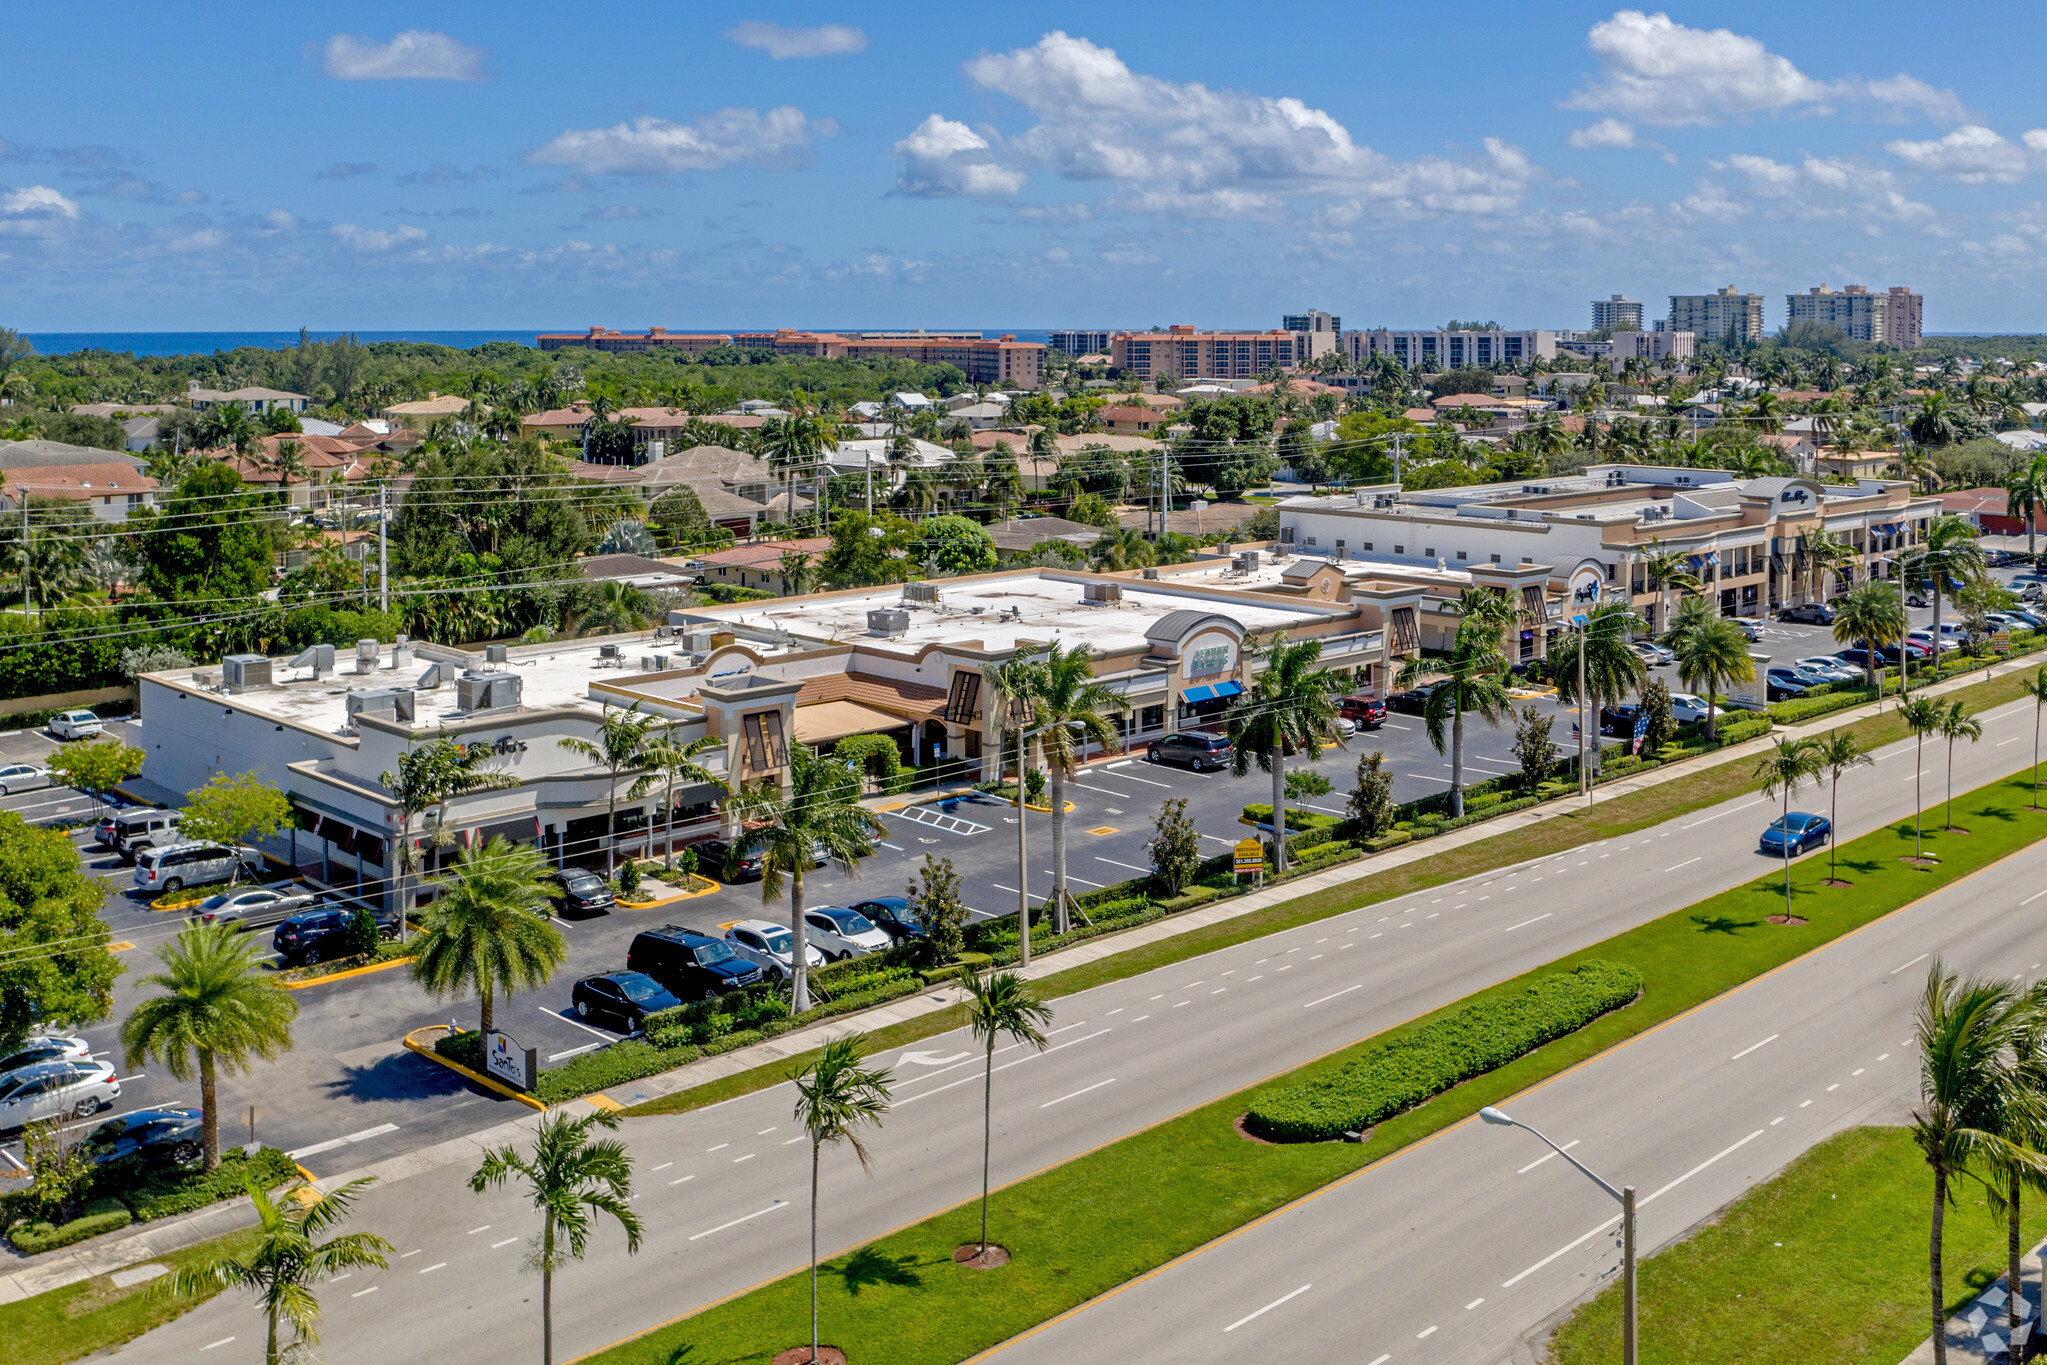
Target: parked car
x=36, y=1051
x=1781, y=684
x=153, y=1136
x=579, y=891
x=1619, y=719
x=1368, y=712
x=1198, y=750
x=1653, y=654
x=255, y=908
x=1830, y=668
x=76, y=725
x=715, y=857
x=626, y=998
x=1686, y=707
x=69, y=1089
x=771, y=947
x=177, y=866
x=1999, y=559
x=129, y=832
x=689, y=965
x=1947, y=640
x=1344, y=726
x=842, y=933
x=1810, y=613
x=894, y=916
x=316, y=935
x=1751, y=630
x=22, y=777
x=1413, y=701
x=1797, y=831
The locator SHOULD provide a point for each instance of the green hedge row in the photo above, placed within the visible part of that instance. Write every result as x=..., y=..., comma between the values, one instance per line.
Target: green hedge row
x=101, y=1215
x=1400, y=1074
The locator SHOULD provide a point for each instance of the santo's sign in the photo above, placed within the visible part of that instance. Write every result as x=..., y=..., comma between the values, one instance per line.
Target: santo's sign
x=507, y=1061
x=1250, y=856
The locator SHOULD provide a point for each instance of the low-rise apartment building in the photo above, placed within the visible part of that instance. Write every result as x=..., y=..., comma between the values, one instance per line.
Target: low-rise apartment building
x=255, y=401
x=1655, y=347
x=653, y=339
x=1442, y=350
x=1181, y=352
x=113, y=489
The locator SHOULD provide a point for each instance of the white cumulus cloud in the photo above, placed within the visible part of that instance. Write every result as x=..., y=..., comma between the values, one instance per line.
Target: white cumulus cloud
x=1608, y=132
x=778, y=139
x=376, y=239
x=1975, y=155
x=35, y=211
x=1802, y=191
x=782, y=42
x=414, y=55
x=943, y=158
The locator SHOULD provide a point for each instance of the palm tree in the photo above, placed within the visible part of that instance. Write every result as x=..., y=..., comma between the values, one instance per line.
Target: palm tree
x=1074, y=709
x=1922, y=716
x=216, y=1017
x=1668, y=568
x=2025, y=495
x=1934, y=423
x=1015, y=684
x=2022, y=1121
x=2036, y=688
x=998, y=1006
x=1956, y=722
x=620, y=745
x=835, y=1097
x=1839, y=752
x=1968, y=1030
x=1287, y=706
x=674, y=758
x=1825, y=552
x=570, y=1179
x=1477, y=682
x=429, y=776
x=1785, y=767
x=1612, y=667
x=1950, y=553
x=1872, y=615
x=488, y=931
x=1711, y=651
x=821, y=811
x=287, y=1260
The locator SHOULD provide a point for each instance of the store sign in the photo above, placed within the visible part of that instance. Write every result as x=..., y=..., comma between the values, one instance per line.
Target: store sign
x=1211, y=659
x=2001, y=641
x=504, y=1059
x=1250, y=856
x=504, y=746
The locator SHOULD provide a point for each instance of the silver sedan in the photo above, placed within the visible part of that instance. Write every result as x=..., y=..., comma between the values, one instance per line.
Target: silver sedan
x=22, y=777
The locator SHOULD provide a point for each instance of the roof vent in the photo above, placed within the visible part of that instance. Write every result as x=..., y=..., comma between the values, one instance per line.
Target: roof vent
x=436, y=676
x=366, y=652
x=320, y=658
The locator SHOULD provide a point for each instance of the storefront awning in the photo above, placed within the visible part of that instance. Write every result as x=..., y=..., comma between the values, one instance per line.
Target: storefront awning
x=826, y=721
x=1228, y=689
x=1219, y=692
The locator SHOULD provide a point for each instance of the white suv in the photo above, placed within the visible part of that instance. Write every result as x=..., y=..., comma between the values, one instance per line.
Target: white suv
x=76, y=725
x=770, y=946
x=74, y=1088
x=843, y=933
x=194, y=864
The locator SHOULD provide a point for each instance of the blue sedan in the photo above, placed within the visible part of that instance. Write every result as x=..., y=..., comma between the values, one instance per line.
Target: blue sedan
x=1796, y=833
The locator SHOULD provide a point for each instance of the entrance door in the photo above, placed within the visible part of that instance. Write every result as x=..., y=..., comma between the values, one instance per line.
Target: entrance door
x=583, y=840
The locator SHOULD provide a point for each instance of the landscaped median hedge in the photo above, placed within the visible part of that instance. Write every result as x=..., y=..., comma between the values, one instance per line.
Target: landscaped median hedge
x=126, y=1191
x=1415, y=1066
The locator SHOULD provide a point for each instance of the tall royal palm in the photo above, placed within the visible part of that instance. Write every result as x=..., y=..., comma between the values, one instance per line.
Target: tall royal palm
x=1840, y=753
x=835, y=1098
x=1001, y=1005
x=1956, y=722
x=287, y=1259
x=1948, y=557
x=1287, y=706
x=1923, y=717
x=2025, y=495
x=429, y=776
x=216, y=1017
x=1825, y=553
x=676, y=759
x=1015, y=684
x=1612, y=667
x=619, y=746
x=1968, y=1030
x=1668, y=568
x=822, y=810
x=1074, y=709
x=1477, y=681
x=2036, y=688
x=1711, y=652
x=1785, y=767
x=1871, y=615
x=486, y=933
x=570, y=1180
x=2022, y=1121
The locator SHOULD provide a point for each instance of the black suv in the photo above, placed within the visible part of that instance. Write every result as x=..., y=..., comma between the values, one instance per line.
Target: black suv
x=894, y=916
x=315, y=935
x=689, y=965
x=1197, y=750
x=578, y=891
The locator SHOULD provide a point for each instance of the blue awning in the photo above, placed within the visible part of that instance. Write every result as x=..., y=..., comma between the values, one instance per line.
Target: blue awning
x=1228, y=689
x=1197, y=694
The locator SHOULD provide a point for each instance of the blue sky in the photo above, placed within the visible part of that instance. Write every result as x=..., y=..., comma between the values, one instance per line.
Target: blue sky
x=180, y=166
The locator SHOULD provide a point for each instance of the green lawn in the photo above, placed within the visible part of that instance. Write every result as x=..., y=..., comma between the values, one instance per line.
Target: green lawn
x=1095, y=1222
x=1573, y=829
x=92, y=1315
x=1827, y=1261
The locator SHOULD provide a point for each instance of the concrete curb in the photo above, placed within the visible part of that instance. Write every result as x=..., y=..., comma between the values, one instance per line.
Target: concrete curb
x=426, y=1050
x=384, y=966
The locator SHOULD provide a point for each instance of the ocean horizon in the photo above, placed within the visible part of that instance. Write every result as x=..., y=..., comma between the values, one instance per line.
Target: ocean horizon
x=207, y=343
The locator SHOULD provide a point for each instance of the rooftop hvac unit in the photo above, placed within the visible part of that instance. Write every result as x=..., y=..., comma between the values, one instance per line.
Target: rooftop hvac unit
x=663, y=631
x=320, y=658
x=393, y=702
x=1247, y=561
x=207, y=678
x=699, y=641
x=240, y=672
x=493, y=654
x=921, y=592
x=436, y=676
x=607, y=651
x=401, y=652
x=1102, y=592
x=366, y=652
x=663, y=662
x=889, y=621
x=1152, y=574
x=487, y=691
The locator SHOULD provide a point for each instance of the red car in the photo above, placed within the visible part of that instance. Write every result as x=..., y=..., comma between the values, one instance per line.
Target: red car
x=1368, y=712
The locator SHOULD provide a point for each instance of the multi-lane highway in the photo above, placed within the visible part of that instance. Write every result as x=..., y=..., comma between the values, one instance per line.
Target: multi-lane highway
x=721, y=1187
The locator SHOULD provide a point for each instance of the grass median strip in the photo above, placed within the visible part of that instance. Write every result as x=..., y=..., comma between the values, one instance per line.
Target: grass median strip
x=1573, y=829
x=94, y=1315
x=1824, y=1261
x=1084, y=1227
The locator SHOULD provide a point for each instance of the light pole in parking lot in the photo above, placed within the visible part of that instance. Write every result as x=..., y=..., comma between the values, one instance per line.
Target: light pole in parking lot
x=1626, y=1197
x=1023, y=853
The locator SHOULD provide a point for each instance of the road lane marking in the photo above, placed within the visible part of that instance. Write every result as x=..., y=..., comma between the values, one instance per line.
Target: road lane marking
x=683, y=1181
x=1724, y=1151
x=414, y=1252
x=1473, y=1304
x=1753, y=1046
x=2027, y=901
x=222, y=1342
x=664, y=1165
x=778, y=1204
x=1552, y=1156
x=1832, y=1088
x=507, y=1242
x=567, y=1019
x=1325, y=999
x=1512, y=927
x=1686, y=863
x=437, y=1265
x=765, y=1131
x=719, y=1148
x=1857, y=1071
x=790, y=1142
x=748, y=1157
x=1775, y=1121
x=1425, y=1332
x=1113, y=863
x=473, y=1231
x=360, y=1292
x=1076, y=1094
x=332, y=1143
x=1261, y=1312
x=1709, y=819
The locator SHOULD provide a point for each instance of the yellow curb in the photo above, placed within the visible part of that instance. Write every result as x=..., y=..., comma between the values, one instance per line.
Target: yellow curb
x=600, y=1100
x=343, y=976
x=158, y=904
x=700, y=886
x=304, y=1193
x=426, y=1050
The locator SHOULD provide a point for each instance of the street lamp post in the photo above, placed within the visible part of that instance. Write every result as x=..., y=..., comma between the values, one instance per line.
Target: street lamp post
x=1023, y=853
x=1626, y=1197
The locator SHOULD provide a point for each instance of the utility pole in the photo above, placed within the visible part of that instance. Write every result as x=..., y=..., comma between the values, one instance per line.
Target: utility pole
x=383, y=547
x=27, y=601
x=1023, y=863
x=1398, y=450
x=1629, y=1344
x=1584, y=778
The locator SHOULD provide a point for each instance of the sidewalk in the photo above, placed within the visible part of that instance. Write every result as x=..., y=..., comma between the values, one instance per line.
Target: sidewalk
x=1976, y=1335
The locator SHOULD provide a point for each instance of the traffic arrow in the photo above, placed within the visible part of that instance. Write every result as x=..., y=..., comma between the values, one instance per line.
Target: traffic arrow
x=933, y=1059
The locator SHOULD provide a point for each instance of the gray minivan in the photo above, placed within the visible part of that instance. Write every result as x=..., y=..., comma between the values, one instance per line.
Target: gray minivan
x=128, y=832
x=192, y=864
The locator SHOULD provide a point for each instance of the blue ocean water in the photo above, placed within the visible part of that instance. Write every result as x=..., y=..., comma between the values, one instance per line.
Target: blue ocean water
x=206, y=343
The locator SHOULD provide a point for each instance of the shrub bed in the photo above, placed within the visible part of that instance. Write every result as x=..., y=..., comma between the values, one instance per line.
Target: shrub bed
x=1414, y=1066
x=101, y=1215
x=1260, y=813
x=389, y=951
x=162, y=1192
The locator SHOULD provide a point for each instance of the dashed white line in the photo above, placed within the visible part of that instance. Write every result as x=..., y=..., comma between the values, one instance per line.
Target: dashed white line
x=1425, y=1332
x=764, y=1132
x=1473, y=1304
x=1923, y=956
x=1249, y=1316
x=1552, y=1156
x=437, y=1265
x=222, y=1342
x=778, y=1204
x=1686, y=863
x=664, y=1166
x=719, y=1148
x=1327, y=998
x=1753, y=1046
x=1524, y=923
x=507, y=1242
x=1076, y=1094
x=683, y=1180
x=473, y=1231
x=358, y=1294
x=748, y=1157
